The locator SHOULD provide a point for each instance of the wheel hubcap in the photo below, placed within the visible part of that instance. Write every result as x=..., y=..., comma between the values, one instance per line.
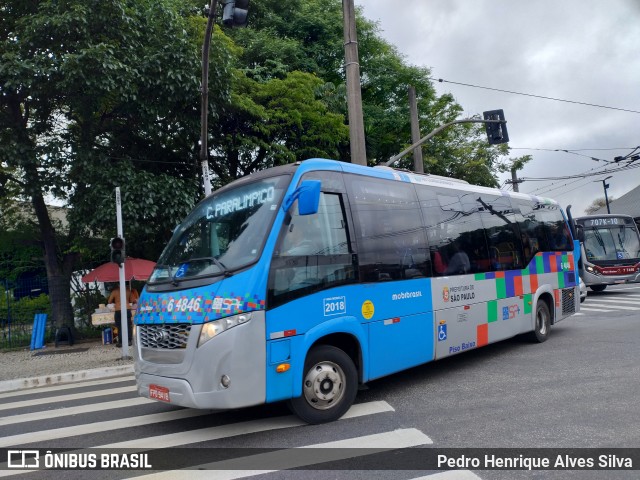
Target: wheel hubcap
x=542, y=323
x=324, y=385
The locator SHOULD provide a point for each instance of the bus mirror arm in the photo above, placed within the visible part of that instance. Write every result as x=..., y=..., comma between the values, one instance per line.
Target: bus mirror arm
x=308, y=196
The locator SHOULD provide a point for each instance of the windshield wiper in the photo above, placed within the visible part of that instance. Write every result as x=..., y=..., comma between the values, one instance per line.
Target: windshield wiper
x=596, y=233
x=223, y=269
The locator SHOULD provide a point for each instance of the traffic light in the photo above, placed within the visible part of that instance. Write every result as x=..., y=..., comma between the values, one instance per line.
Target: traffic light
x=496, y=132
x=117, y=250
x=235, y=13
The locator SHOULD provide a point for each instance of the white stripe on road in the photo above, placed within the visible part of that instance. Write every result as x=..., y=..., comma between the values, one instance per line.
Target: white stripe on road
x=617, y=307
x=287, y=459
x=591, y=309
x=451, y=475
x=96, y=427
x=67, y=386
x=224, y=431
x=617, y=301
x=63, y=412
x=253, y=426
x=85, y=429
x=67, y=398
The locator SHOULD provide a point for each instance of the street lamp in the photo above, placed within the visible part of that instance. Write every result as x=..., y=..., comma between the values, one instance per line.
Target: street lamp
x=605, y=185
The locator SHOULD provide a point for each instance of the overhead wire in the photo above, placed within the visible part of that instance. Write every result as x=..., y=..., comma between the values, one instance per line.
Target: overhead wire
x=441, y=80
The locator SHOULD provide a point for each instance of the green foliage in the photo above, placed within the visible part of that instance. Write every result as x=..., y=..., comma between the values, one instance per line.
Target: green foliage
x=95, y=95
x=24, y=309
x=19, y=253
x=85, y=301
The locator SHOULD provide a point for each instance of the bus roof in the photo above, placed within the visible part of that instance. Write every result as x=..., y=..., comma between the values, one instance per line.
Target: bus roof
x=388, y=173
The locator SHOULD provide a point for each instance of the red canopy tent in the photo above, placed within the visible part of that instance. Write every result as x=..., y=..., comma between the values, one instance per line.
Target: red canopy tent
x=134, y=269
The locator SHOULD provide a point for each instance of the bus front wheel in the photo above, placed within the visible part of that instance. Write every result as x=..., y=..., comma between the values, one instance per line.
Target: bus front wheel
x=329, y=385
x=542, y=323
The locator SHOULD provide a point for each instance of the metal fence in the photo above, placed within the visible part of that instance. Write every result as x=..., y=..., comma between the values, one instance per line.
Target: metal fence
x=20, y=301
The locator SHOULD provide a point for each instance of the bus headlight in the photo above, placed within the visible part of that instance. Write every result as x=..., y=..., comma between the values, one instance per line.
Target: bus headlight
x=212, y=329
x=590, y=269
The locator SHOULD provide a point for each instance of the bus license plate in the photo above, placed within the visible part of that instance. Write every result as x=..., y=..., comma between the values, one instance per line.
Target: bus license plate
x=156, y=392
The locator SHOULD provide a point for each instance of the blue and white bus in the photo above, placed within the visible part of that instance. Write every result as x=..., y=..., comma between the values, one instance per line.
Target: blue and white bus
x=610, y=250
x=303, y=281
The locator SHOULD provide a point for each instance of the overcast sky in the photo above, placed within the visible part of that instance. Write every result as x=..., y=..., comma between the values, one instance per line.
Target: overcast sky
x=580, y=50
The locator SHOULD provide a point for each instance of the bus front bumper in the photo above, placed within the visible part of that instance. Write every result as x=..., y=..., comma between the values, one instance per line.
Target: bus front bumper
x=226, y=372
x=593, y=279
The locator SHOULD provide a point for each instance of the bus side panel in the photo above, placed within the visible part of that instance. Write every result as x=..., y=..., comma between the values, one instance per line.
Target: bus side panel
x=399, y=343
x=281, y=386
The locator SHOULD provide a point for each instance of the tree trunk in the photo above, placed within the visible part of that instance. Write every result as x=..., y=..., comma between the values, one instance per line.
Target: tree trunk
x=58, y=270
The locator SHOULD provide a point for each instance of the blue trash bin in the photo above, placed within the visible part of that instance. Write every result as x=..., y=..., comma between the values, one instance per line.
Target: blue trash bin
x=107, y=336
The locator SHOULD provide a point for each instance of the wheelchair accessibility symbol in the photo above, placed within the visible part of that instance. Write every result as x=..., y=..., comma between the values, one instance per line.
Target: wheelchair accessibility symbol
x=442, y=332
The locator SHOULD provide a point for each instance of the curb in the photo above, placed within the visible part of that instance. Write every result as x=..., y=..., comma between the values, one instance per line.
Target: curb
x=61, y=378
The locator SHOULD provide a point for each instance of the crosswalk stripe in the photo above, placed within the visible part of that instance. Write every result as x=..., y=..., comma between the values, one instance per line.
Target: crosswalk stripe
x=66, y=411
x=286, y=459
x=242, y=428
x=450, y=475
x=96, y=427
x=225, y=431
x=591, y=309
x=618, y=301
x=66, y=386
x=67, y=398
x=617, y=307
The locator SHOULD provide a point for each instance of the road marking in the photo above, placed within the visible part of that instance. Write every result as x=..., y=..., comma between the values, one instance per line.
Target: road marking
x=288, y=459
x=225, y=431
x=252, y=426
x=618, y=301
x=67, y=398
x=617, y=307
x=450, y=475
x=63, y=412
x=66, y=386
x=591, y=309
x=96, y=427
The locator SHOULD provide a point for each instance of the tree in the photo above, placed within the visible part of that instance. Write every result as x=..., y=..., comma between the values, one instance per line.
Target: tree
x=597, y=204
x=97, y=94
x=306, y=35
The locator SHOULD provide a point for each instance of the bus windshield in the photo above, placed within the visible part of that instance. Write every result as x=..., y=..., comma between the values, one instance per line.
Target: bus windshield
x=611, y=243
x=224, y=233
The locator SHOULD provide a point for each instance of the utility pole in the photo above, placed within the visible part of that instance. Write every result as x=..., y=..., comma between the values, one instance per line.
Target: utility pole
x=418, y=164
x=204, y=98
x=606, y=186
x=354, y=95
x=514, y=180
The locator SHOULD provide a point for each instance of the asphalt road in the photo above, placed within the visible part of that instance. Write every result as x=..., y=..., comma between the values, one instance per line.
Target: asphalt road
x=579, y=389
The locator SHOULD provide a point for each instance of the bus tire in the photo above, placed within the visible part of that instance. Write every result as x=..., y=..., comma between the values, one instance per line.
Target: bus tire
x=329, y=386
x=598, y=288
x=542, y=323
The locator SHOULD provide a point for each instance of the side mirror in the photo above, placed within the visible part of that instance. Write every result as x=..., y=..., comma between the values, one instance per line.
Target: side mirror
x=580, y=233
x=308, y=196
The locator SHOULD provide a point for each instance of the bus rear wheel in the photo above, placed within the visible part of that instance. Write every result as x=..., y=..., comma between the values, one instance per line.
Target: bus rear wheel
x=542, y=323
x=329, y=386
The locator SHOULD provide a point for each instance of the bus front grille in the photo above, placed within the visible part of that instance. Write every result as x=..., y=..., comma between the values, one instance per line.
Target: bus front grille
x=169, y=336
x=568, y=301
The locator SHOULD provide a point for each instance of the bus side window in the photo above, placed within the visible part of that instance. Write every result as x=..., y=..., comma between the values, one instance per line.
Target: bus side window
x=389, y=232
x=312, y=253
x=532, y=233
x=503, y=235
